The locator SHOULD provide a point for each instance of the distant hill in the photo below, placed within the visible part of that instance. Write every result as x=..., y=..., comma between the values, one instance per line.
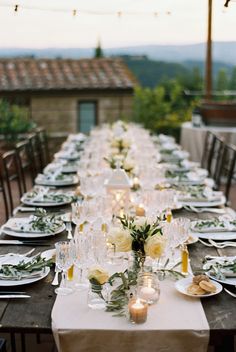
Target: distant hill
x=222, y=51
x=151, y=72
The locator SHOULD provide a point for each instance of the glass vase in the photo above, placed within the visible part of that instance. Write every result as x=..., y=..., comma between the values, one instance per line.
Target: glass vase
x=95, y=297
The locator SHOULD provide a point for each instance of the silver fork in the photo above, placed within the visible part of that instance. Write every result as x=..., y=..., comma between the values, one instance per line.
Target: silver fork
x=55, y=281
x=230, y=293
x=69, y=230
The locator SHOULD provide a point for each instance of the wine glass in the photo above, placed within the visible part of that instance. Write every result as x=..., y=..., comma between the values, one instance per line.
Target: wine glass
x=64, y=260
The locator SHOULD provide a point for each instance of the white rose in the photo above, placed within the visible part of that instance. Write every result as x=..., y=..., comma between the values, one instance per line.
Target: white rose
x=128, y=164
x=121, y=239
x=97, y=273
x=115, y=143
x=115, y=151
x=126, y=143
x=155, y=246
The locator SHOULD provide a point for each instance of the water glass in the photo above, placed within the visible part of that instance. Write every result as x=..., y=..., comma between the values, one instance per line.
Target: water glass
x=64, y=260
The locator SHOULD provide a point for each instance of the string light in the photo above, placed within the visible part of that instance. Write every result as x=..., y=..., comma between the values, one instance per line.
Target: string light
x=85, y=12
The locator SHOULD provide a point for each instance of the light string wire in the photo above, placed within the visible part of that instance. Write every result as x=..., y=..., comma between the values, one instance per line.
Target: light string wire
x=74, y=11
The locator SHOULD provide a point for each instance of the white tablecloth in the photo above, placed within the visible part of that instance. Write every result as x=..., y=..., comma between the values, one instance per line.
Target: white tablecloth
x=176, y=324
x=193, y=138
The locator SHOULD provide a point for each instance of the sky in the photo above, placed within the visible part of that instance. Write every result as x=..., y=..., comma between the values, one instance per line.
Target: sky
x=186, y=23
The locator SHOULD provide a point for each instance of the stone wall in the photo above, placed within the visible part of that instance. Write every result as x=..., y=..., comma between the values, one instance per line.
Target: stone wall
x=59, y=113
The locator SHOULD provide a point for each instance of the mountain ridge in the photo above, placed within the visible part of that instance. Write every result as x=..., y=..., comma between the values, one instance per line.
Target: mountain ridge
x=222, y=51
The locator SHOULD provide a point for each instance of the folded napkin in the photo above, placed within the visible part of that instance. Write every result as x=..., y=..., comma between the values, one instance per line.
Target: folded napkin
x=21, y=226
x=21, y=276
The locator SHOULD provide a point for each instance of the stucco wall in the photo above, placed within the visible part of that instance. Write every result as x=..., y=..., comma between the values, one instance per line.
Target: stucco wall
x=59, y=113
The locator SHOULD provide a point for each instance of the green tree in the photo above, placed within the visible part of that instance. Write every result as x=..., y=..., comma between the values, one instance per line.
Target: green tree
x=232, y=82
x=222, y=80
x=162, y=109
x=98, y=51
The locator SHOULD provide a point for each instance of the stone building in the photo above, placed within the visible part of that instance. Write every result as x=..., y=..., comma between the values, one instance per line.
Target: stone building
x=66, y=95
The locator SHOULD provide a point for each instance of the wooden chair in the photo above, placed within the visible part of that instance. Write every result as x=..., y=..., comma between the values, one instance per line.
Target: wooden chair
x=26, y=164
x=3, y=192
x=212, y=154
x=36, y=154
x=207, y=150
x=227, y=170
x=216, y=156
x=12, y=177
x=43, y=145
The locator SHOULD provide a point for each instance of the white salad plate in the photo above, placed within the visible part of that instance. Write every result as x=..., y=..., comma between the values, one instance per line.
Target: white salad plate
x=10, y=231
x=49, y=254
x=182, y=285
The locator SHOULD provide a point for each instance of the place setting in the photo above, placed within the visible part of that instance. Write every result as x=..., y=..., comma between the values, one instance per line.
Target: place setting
x=36, y=226
x=46, y=197
x=57, y=179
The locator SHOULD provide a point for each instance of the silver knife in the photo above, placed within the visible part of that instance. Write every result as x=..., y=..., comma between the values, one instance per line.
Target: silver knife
x=14, y=296
x=27, y=242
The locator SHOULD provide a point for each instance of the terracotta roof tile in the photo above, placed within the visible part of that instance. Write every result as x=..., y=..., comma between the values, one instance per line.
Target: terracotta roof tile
x=54, y=74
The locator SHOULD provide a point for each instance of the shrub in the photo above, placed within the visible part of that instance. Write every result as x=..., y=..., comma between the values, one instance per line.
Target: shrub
x=13, y=120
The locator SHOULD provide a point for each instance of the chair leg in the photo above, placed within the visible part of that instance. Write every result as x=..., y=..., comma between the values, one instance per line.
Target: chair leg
x=38, y=339
x=13, y=342
x=22, y=335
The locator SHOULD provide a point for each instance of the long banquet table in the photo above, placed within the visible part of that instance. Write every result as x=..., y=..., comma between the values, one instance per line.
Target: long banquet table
x=34, y=315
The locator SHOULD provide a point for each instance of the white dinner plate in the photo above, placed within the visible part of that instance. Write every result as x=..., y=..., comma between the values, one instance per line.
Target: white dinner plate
x=221, y=236
x=28, y=201
x=24, y=281
x=182, y=285
x=227, y=280
x=214, y=203
x=46, y=182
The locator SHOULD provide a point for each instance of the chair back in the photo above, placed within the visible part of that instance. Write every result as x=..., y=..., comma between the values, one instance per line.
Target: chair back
x=35, y=151
x=227, y=173
x=26, y=164
x=3, y=191
x=13, y=179
x=43, y=145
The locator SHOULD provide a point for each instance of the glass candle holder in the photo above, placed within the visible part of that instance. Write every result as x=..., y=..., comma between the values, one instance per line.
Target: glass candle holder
x=148, y=287
x=137, y=310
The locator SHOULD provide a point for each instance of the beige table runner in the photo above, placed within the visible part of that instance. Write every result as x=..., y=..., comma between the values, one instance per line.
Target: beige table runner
x=177, y=323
